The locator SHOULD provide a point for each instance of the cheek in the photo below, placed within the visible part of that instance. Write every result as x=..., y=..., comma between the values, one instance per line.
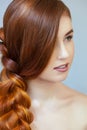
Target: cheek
x=48, y=76
x=46, y=73
x=71, y=50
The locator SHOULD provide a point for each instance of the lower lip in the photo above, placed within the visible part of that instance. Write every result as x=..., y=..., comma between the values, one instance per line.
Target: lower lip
x=61, y=69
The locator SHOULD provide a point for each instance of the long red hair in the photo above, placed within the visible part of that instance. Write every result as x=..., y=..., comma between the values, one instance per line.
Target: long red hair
x=29, y=33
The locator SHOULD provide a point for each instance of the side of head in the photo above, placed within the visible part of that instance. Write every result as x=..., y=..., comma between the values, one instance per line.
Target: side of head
x=30, y=29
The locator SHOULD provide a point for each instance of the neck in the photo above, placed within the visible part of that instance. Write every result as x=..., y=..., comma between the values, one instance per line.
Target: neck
x=42, y=90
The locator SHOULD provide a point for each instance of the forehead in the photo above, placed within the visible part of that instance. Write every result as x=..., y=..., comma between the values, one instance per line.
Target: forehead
x=65, y=25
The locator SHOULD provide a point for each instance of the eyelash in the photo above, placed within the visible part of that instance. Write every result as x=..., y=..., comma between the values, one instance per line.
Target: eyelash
x=69, y=38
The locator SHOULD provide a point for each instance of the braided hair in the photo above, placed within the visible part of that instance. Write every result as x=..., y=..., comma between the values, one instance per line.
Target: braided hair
x=14, y=101
x=27, y=40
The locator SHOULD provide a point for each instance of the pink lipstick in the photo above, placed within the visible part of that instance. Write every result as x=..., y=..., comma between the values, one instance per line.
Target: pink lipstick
x=62, y=68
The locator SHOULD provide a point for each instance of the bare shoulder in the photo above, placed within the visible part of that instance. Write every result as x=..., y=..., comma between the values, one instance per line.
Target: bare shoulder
x=78, y=98
x=79, y=108
x=76, y=95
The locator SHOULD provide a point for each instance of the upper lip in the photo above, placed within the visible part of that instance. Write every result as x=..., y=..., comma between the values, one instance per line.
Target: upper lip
x=61, y=65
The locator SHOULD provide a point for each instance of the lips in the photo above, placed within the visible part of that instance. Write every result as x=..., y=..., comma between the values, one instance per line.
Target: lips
x=62, y=68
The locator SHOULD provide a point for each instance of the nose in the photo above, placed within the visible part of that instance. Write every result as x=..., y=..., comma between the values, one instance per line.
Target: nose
x=63, y=52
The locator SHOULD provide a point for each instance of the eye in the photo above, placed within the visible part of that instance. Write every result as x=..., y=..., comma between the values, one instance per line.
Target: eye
x=69, y=38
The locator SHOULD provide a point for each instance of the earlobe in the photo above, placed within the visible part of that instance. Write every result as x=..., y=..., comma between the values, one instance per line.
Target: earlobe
x=1, y=34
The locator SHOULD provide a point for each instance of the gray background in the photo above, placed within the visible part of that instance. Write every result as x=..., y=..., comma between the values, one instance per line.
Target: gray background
x=77, y=78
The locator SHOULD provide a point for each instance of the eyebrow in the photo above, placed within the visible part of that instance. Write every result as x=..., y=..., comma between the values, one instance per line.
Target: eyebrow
x=69, y=32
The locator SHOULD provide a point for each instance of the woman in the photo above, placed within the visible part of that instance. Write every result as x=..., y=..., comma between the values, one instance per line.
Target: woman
x=37, y=52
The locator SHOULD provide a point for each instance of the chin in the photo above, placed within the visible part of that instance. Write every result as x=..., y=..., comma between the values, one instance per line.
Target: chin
x=53, y=78
x=60, y=78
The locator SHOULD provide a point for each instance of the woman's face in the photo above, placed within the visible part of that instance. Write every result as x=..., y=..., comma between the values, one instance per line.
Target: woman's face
x=61, y=59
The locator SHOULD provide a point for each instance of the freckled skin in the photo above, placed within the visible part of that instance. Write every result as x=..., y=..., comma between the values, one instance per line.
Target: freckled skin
x=55, y=106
